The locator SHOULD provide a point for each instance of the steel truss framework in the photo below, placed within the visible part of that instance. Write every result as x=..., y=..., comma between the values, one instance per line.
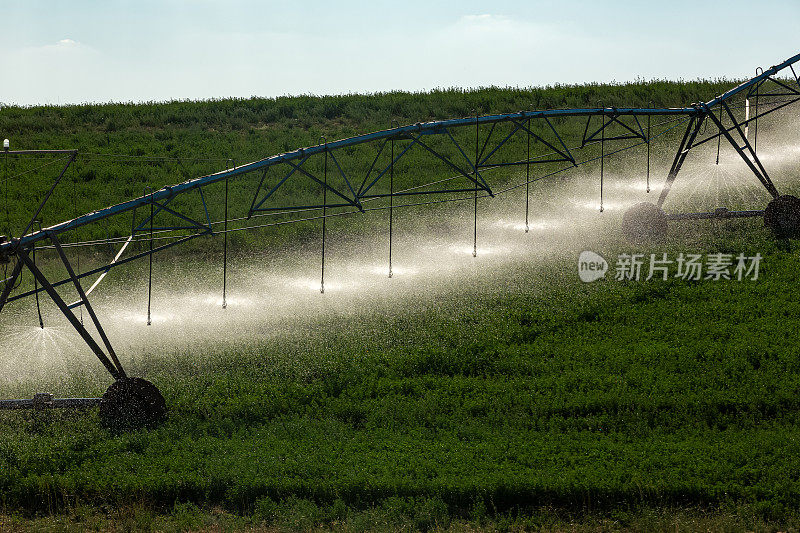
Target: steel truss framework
x=352, y=191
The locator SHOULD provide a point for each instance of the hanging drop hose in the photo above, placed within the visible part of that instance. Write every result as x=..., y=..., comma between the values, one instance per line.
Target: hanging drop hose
x=324, y=217
x=150, y=257
x=602, y=155
x=648, y=149
x=719, y=137
x=225, y=245
x=475, y=225
x=527, y=175
x=8, y=224
x=391, y=197
x=77, y=239
x=36, y=282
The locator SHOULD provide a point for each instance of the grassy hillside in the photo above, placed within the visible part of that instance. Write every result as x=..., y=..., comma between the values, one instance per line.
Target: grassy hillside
x=542, y=403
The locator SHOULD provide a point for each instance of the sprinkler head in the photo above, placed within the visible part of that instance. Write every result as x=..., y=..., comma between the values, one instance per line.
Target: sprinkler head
x=527, y=228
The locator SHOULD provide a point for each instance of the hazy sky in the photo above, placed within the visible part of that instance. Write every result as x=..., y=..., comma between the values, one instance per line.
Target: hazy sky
x=96, y=51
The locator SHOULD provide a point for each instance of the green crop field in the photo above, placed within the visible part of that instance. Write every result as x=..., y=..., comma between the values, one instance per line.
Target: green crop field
x=524, y=399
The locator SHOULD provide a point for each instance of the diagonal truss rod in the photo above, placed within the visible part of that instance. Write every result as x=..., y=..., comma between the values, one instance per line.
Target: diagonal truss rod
x=689, y=135
x=749, y=156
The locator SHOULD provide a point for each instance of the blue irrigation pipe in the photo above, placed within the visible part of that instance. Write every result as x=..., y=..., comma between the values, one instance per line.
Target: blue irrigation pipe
x=9, y=247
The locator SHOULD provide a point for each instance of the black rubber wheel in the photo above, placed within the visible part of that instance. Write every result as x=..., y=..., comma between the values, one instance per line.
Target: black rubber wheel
x=782, y=216
x=132, y=403
x=643, y=223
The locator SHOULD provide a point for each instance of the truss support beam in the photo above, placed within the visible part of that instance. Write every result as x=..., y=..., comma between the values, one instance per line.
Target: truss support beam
x=746, y=150
x=692, y=129
x=89, y=309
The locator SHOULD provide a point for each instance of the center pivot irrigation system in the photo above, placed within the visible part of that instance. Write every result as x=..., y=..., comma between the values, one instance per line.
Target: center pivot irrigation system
x=468, y=148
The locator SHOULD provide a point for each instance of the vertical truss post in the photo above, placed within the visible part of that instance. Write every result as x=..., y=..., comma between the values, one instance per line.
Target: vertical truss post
x=475, y=225
x=527, y=174
x=692, y=129
x=324, y=217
